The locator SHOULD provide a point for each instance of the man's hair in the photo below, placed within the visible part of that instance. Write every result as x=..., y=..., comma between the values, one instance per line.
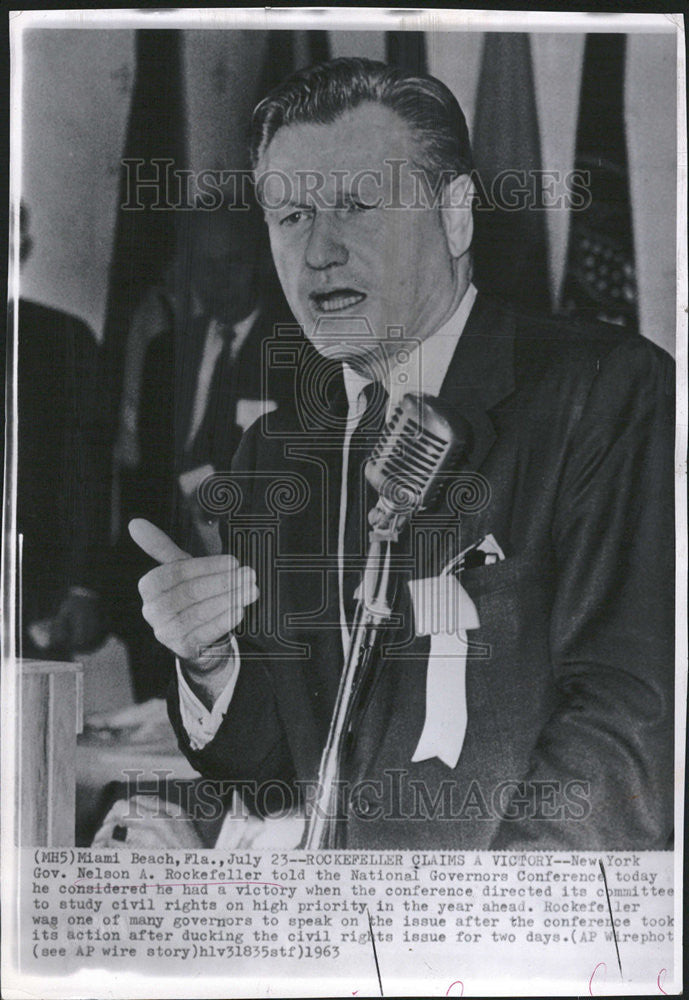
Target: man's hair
x=321, y=93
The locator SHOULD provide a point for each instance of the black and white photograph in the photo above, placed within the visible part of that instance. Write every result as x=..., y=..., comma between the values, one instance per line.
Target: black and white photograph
x=344, y=523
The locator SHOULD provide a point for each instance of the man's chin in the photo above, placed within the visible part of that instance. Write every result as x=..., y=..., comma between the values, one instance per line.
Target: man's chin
x=366, y=358
x=351, y=339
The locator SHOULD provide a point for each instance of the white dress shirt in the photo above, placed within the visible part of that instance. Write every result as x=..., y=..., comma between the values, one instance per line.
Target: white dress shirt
x=212, y=349
x=421, y=369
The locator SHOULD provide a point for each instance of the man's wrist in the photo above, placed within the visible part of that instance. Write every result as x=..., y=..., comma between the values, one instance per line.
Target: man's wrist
x=211, y=661
x=208, y=676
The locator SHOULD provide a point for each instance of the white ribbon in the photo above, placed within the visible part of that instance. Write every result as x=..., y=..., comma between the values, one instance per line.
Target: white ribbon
x=443, y=610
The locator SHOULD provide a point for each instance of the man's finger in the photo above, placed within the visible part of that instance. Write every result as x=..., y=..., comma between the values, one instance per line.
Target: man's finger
x=162, y=579
x=198, y=640
x=155, y=542
x=164, y=605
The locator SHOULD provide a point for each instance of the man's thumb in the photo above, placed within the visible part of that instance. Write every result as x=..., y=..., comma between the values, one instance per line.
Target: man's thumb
x=155, y=542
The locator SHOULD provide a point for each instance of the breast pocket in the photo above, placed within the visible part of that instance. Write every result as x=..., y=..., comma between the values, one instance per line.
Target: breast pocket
x=533, y=564
x=512, y=596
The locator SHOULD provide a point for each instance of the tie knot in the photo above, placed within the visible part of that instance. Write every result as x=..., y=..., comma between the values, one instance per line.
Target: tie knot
x=226, y=331
x=373, y=417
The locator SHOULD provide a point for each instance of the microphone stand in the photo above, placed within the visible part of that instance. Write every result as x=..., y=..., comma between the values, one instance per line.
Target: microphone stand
x=418, y=445
x=373, y=612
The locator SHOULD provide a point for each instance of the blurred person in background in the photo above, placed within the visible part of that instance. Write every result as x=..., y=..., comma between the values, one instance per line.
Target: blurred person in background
x=193, y=383
x=61, y=508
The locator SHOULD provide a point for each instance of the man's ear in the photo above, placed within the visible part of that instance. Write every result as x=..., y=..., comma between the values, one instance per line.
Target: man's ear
x=456, y=214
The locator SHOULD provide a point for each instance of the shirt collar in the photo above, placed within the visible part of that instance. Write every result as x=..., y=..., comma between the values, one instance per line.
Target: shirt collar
x=243, y=327
x=240, y=330
x=421, y=369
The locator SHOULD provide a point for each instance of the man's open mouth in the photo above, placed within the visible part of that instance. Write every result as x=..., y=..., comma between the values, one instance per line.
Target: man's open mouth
x=336, y=300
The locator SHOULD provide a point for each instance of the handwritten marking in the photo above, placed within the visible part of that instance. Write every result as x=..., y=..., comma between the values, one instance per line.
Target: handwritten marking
x=375, y=953
x=593, y=974
x=454, y=984
x=664, y=992
x=154, y=885
x=612, y=922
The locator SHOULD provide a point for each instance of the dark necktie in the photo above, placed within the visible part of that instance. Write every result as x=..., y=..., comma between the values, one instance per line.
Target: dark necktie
x=361, y=497
x=218, y=404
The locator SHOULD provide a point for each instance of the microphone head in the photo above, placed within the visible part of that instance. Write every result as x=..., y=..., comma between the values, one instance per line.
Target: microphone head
x=416, y=447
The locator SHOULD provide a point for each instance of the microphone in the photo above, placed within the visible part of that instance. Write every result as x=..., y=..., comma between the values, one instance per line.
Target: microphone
x=406, y=466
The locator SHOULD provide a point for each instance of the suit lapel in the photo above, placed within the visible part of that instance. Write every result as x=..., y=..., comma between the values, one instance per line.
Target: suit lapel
x=481, y=373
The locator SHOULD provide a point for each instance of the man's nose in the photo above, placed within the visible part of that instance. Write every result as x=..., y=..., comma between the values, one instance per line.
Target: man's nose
x=325, y=247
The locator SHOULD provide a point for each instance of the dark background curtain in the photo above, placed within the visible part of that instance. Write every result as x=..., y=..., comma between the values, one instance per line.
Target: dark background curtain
x=144, y=239
x=600, y=280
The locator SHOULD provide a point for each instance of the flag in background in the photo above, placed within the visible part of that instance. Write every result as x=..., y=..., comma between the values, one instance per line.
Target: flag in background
x=510, y=246
x=319, y=46
x=599, y=277
x=406, y=49
x=288, y=51
x=144, y=239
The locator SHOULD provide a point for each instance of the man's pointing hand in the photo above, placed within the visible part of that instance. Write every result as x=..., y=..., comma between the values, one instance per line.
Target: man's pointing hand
x=191, y=603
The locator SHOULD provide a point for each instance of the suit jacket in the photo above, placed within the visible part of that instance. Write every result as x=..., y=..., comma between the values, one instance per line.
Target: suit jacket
x=169, y=383
x=569, y=682
x=61, y=501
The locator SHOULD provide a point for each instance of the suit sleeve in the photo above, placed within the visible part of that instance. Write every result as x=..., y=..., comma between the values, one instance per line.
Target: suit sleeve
x=250, y=747
x=249, y=744
x=612, y=622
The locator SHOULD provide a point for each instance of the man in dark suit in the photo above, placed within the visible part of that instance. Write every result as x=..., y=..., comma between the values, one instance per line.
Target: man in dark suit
x=562, y=703
x=60, y=500
x=183, y=413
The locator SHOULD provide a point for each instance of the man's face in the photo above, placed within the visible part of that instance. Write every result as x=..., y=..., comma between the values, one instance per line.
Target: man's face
x=343, y=255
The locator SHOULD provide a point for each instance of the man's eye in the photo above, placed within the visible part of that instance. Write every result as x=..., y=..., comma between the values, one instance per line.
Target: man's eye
x=294, y=217
x=353, y=207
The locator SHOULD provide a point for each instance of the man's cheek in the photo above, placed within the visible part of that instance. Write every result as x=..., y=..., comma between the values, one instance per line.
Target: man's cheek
x=286, y=274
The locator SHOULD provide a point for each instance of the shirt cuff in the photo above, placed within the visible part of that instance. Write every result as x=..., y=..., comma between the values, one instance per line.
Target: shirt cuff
x=200, y=724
